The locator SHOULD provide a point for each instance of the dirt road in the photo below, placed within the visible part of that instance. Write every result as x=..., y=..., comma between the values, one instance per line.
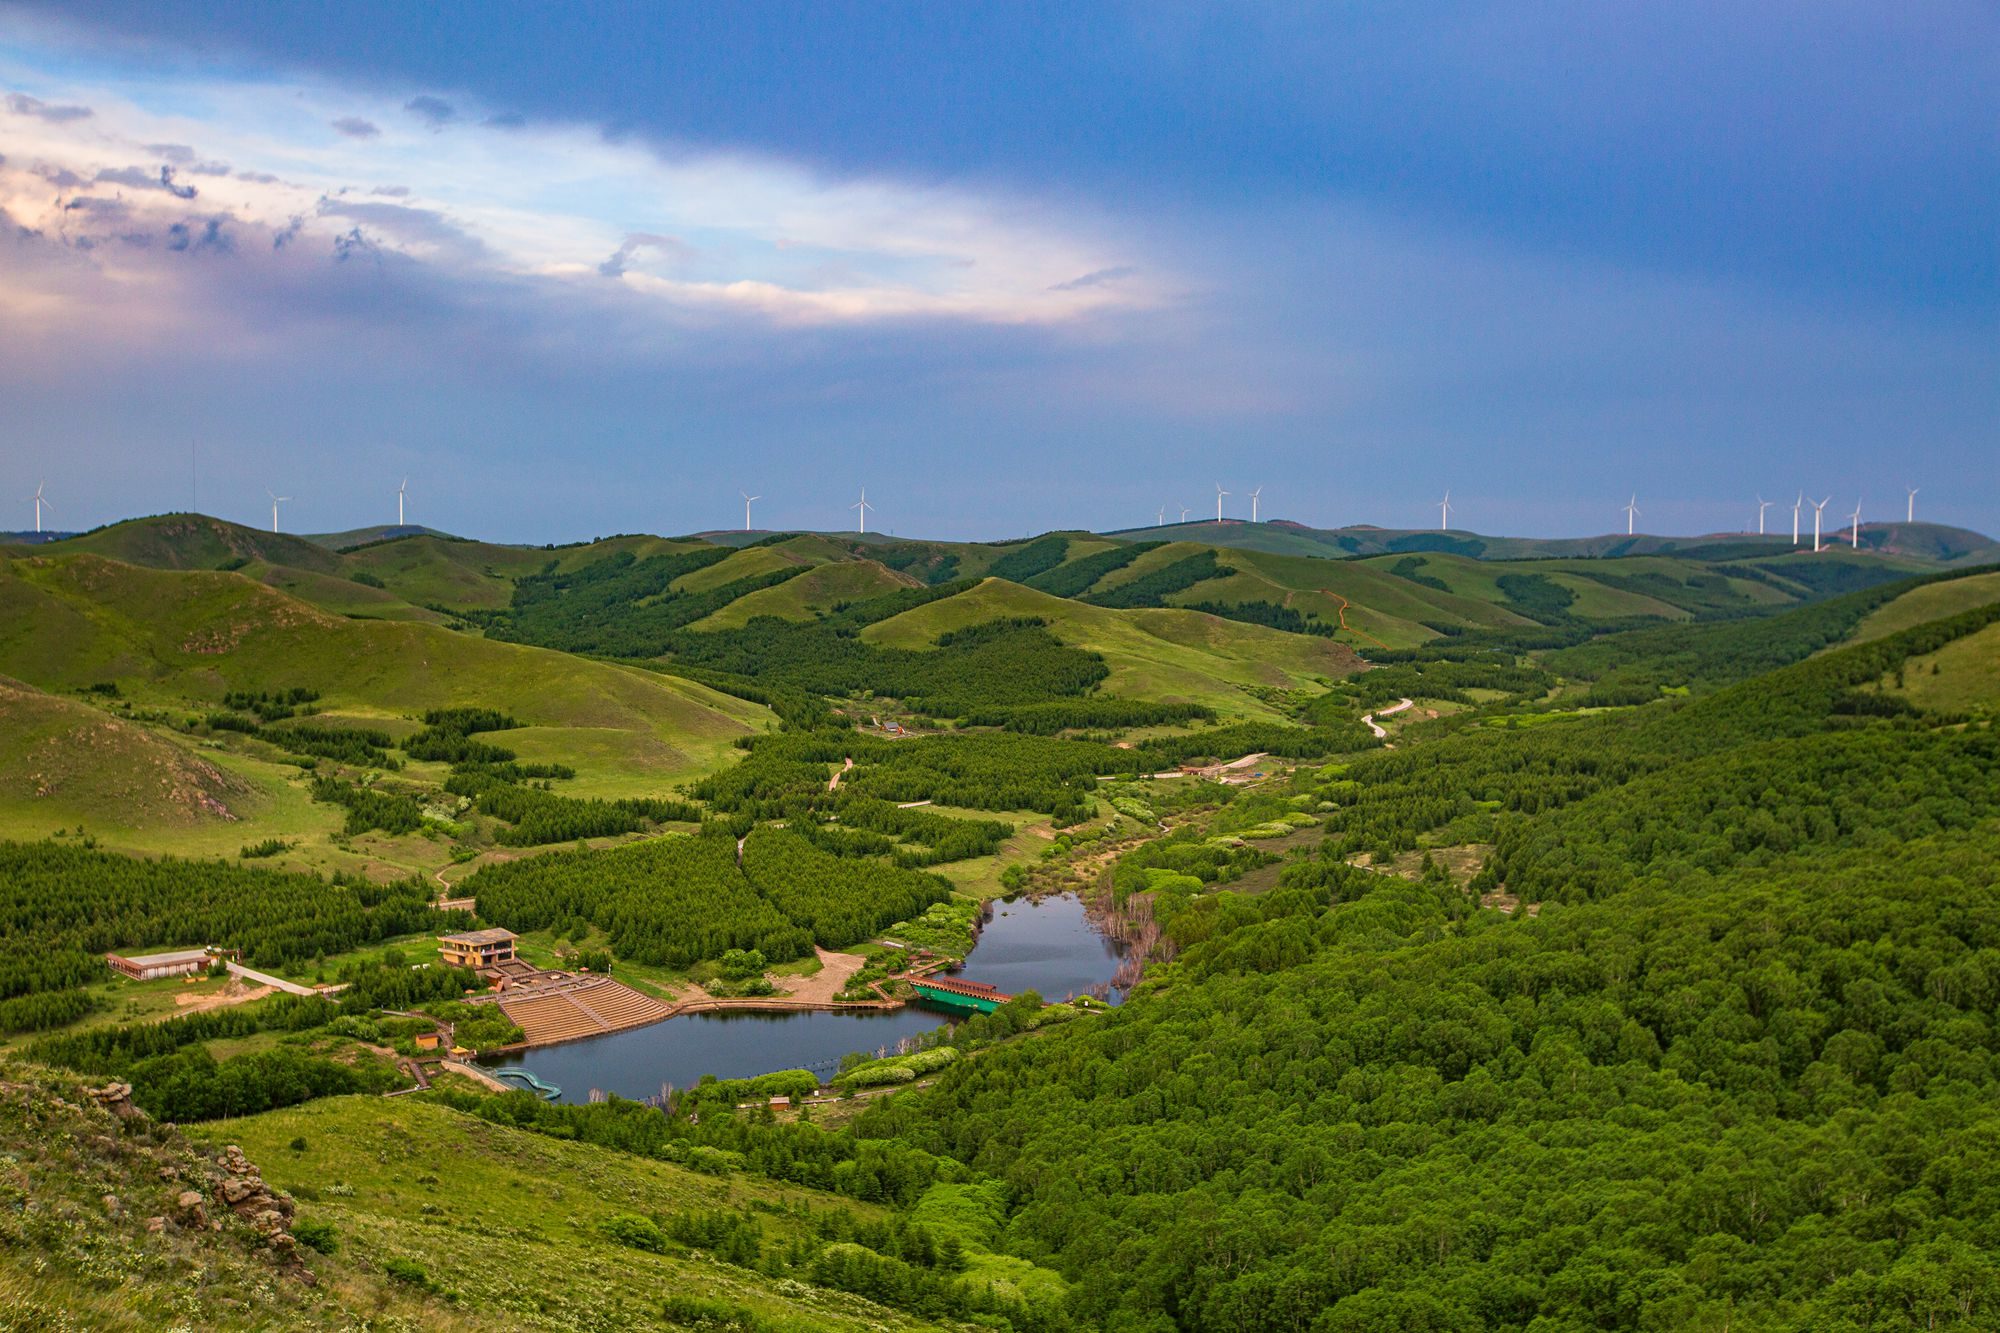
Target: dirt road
x=1368, y=719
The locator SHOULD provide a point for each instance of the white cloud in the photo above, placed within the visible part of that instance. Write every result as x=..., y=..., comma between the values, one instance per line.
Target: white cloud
x=559, y=204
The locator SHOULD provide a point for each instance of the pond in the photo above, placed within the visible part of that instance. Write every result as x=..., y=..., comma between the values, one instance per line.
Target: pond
x=1046, y=946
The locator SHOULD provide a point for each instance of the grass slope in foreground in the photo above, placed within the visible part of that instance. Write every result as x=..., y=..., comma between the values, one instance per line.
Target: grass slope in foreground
x=437, y=1220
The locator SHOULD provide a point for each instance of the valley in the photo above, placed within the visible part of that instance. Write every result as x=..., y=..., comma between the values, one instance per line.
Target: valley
x=1378, y=902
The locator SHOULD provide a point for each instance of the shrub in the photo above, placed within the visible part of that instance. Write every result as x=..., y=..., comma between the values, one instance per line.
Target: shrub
x=638, y=1233
x=318, y=1235
x=403, y=1270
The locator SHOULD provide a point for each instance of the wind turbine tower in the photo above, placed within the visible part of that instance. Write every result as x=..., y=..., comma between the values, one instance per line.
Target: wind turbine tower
x=276, y=500
x=1184, y=513
x=1631, y=512
x=1762, y=505
x=1818, y=507
x=1910, y=516
x=1797, y=505
x=747, y=498
x=40, y=503
x=862, y=505
x=1855, y=518
x=401, y=491
x=1161, y=520
x=1219, y=493
x=1253, y=503
x=1444, y=513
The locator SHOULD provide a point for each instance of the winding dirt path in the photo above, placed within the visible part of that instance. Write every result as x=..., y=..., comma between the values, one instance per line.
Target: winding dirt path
x=846, y=766
x=1368, y=719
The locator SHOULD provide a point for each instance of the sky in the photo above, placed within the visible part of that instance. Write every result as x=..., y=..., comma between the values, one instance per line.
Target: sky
x=594, y=268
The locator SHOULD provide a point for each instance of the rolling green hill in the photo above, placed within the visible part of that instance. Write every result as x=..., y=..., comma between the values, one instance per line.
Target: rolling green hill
x=1931, y=601
x=172, y=644
x=1162, y=655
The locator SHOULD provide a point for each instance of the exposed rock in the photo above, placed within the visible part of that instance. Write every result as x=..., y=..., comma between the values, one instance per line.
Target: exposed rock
x=190, y=1206
x=112, y=1207
x=156, y=1224
x=117, y=1099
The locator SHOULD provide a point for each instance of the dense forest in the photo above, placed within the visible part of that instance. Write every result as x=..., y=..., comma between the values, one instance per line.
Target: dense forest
x=61, y=907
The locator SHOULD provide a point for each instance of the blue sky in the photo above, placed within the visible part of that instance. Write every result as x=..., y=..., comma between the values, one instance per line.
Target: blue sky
x=591, y=268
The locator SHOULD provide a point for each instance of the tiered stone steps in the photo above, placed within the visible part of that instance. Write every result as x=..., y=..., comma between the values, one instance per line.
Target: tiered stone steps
x=578, y=1007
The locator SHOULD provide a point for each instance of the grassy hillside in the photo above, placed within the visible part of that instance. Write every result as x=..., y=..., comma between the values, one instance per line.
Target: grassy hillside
x=433, y=571
x=66, y=764
x=173, y=644
x=433, y=1217
x=1932, y=601
x=196, y=541
x=1961, y=677
x=808, y=596
x=1169, y=656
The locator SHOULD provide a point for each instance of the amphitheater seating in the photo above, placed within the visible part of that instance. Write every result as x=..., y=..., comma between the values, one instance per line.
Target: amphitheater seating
x=578, y=1007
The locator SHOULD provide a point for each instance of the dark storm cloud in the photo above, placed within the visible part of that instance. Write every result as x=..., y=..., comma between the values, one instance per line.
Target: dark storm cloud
x=23, y=105
x=433, y=111
x=288, y=233
x=354, y=127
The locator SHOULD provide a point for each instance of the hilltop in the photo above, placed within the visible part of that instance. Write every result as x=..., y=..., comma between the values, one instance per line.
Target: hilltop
x=1922, y=541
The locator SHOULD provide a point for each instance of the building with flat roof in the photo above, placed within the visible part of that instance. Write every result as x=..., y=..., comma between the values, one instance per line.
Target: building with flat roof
x=152, y=966
x=477, y=948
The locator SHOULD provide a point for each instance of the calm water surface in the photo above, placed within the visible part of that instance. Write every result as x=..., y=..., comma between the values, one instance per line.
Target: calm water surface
x=1048, y=947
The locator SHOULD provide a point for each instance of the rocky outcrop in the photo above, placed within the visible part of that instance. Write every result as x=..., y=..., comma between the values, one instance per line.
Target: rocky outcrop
x=241, y=1188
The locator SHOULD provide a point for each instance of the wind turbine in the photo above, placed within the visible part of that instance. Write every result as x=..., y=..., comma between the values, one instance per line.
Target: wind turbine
x=1631, y=512
x=747, y=498
x=864, y=507
x=1797, y=505
x=1161, y=520
x=1762, y=505
x=276, y=500
x=1253, y=503
x=1856, y=518
x=1219, y=493
x=39, y=503
x=1444, y=513
x=1818, y=506
x=400, y=492
x=1184, y=513
x=1911, y=515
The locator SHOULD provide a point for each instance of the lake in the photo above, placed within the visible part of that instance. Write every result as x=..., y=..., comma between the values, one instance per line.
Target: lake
x=1046, y=946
